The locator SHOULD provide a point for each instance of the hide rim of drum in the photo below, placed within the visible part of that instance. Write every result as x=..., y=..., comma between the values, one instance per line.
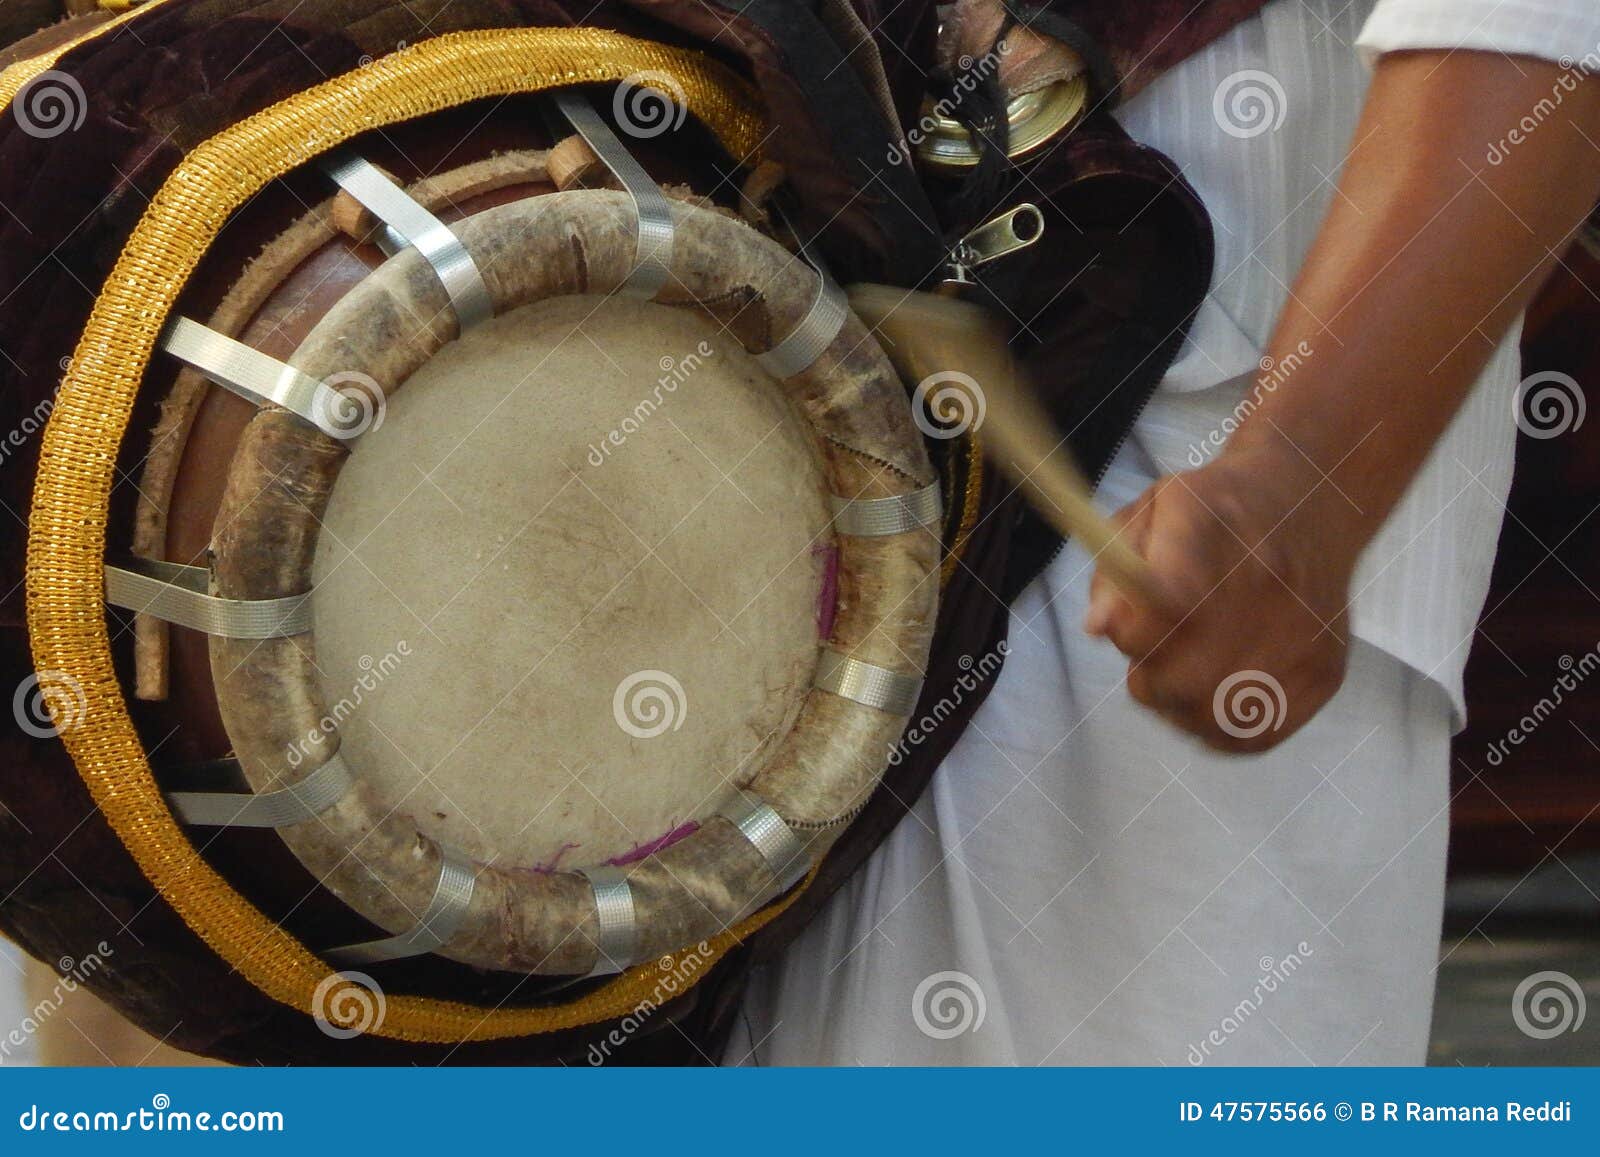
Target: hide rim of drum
x=849, y=394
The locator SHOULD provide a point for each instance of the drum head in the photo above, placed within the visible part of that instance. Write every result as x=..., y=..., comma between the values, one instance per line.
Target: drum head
x=568, y=592
x=593, y=669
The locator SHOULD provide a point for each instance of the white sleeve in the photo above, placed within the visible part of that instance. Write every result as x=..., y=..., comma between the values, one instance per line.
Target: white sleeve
x=1567, y=31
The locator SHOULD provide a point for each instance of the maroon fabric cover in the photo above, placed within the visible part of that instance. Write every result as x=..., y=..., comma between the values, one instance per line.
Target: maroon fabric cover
x=1113, y=290
x=1139, y=40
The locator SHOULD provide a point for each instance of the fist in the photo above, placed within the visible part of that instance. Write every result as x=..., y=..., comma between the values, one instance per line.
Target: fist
x=1251, y=637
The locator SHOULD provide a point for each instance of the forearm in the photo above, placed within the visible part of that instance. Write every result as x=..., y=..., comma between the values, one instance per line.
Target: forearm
x=1427, y=254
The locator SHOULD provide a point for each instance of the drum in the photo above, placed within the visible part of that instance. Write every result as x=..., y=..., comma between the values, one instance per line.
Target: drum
x=527, y=563
x=569, y=616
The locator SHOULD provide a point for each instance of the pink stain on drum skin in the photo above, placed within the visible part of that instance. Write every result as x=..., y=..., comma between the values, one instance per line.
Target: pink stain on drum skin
x=828, y=596
x=639, y=852
x=553, y=863
x=653, y=846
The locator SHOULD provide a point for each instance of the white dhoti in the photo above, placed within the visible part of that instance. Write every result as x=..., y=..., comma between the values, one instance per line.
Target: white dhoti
x=1082, y=883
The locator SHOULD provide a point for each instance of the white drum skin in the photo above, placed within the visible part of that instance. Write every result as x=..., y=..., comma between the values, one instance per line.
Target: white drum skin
x=568, y=590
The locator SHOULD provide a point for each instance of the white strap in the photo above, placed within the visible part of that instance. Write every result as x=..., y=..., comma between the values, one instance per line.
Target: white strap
x=413, y=224
x=178, y=594
x=295, y=804
x=614, y=909
x=760, y=823
x=258, y=377
x=876, y=517
x=451, y=897
x=867, y=683
x=656, y=232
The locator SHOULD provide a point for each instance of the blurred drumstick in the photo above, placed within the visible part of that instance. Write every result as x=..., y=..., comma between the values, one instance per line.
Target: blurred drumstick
x=948, y=340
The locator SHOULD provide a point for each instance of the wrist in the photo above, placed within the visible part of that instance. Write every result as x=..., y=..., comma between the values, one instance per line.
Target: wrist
x=1293, y=506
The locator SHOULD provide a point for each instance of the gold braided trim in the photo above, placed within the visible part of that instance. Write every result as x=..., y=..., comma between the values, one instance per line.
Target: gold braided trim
x=67, y=530
x=971, y=499
x=14, y=76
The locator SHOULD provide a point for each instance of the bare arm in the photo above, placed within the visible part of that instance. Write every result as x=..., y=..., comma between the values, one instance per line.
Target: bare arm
x=1428, y=252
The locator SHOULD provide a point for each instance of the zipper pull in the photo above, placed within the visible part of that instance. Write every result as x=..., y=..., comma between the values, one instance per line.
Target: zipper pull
x=1012, y=230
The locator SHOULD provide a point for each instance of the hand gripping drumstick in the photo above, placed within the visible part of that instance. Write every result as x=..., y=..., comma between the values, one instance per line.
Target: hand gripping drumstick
x=953, y=341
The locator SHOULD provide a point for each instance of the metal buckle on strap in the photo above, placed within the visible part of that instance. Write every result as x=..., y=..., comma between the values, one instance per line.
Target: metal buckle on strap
x=412, y=224
x=178, y=594
x=653, y=256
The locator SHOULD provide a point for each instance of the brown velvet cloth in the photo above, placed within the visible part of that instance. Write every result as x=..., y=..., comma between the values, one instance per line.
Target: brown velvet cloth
x=1107, y=295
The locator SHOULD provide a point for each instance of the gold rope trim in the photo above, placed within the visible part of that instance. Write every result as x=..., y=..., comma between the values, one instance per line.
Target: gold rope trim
x=14, y=76
x=66, y=533
x=971, y=499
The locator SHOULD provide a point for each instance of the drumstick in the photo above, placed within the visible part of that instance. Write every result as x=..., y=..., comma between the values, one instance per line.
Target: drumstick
x=928, y=336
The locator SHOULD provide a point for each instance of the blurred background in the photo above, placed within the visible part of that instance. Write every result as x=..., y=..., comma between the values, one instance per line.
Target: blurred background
x=1525, y=815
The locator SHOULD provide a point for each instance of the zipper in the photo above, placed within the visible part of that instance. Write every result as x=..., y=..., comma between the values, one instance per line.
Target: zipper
x=998, y=237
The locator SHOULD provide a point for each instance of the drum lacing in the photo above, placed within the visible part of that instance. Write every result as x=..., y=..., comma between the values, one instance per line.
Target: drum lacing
x=263, y=379
x=451, y=897
x=406, y=222
x=178, y=594
x=867, y=683
x=655, y=232
x=295, y=804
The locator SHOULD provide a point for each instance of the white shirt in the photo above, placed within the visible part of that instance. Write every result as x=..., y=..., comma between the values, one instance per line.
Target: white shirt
x=1082, y=883
x=1290, y=83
